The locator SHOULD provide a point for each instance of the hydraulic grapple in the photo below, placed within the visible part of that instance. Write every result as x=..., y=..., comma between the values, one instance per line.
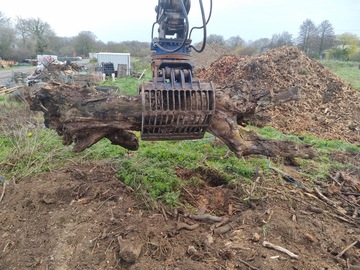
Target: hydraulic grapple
x=175, y=104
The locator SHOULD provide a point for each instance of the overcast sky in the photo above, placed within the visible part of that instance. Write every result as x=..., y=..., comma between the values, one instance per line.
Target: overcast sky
x=132, y=20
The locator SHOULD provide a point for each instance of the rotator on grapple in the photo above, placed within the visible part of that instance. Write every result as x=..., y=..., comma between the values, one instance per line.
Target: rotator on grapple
x=175, y=104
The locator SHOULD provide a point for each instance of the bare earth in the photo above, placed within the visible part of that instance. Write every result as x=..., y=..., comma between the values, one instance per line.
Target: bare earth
x=73, y=219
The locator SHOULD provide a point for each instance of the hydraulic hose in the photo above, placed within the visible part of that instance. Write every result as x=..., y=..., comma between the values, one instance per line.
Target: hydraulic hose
x=205, y=22
x=186, y=30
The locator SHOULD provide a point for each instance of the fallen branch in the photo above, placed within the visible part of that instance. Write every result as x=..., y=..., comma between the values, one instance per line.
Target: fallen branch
x=330, y=202
x=281, y=249
x=316, y=209
x=346, y=249
x=142, y=74
x=285, y=175
x=324, y=198
x=248, y=265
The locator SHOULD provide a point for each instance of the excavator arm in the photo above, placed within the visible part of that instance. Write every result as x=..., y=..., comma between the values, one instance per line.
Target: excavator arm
x=175, y=104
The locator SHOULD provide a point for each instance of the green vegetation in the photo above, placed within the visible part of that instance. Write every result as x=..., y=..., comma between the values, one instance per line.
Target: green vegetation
x=348, y=71
x=156, y=165
x=130, y=85
x=324, y=163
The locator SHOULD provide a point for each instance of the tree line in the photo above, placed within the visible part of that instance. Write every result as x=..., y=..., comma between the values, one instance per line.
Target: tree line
x=28, y=37
x=316, y=41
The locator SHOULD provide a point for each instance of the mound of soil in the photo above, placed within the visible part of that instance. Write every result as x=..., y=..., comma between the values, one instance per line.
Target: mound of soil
x=82, y=217
x=329, y=108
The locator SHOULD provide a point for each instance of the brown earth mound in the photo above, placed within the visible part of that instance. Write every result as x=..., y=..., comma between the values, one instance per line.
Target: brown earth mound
x=329, y=108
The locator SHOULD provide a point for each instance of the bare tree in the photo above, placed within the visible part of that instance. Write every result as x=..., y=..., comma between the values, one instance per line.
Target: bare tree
x=307, y=37
x=235, y=41
x=37, y=29
x=7, y=41
x=84, y=43
x=279, y=40
x=261, y=44
x=326, y=36
x=7, y=36
x=4, y=21
x=215, y=39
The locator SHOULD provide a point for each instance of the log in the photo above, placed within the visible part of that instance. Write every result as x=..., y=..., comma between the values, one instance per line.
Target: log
x=82, y=116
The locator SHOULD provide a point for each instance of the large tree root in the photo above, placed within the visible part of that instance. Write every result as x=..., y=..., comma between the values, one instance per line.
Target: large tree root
x=84, y=116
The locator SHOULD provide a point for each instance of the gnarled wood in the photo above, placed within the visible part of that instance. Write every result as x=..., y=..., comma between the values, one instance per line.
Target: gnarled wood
x=84, y=116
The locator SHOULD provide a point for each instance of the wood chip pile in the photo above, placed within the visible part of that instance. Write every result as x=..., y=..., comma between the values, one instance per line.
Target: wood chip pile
x=329, y=108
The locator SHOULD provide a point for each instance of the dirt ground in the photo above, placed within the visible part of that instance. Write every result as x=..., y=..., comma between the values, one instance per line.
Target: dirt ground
x=83, y=217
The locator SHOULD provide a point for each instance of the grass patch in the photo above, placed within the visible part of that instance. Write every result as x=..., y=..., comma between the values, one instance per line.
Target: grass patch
x=322, y=165
x=154, y=166
x=130, y=85
x=348, y=71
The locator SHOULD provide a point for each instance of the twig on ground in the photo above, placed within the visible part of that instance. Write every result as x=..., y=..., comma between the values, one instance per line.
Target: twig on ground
x=248, y=265
x=336, y=178
x=261, y=219
x=356, y=213
x=330, y=202
x=112, y=241
x=324, y=198
x=142, y=74
x=348, y=220
x=346, y=249
x=3, y=191
x=310, y=237
x=105, y=201
x=164, y=214
x=192, y=196
x=312, y=207
x=6, y=246
x=281, y=249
